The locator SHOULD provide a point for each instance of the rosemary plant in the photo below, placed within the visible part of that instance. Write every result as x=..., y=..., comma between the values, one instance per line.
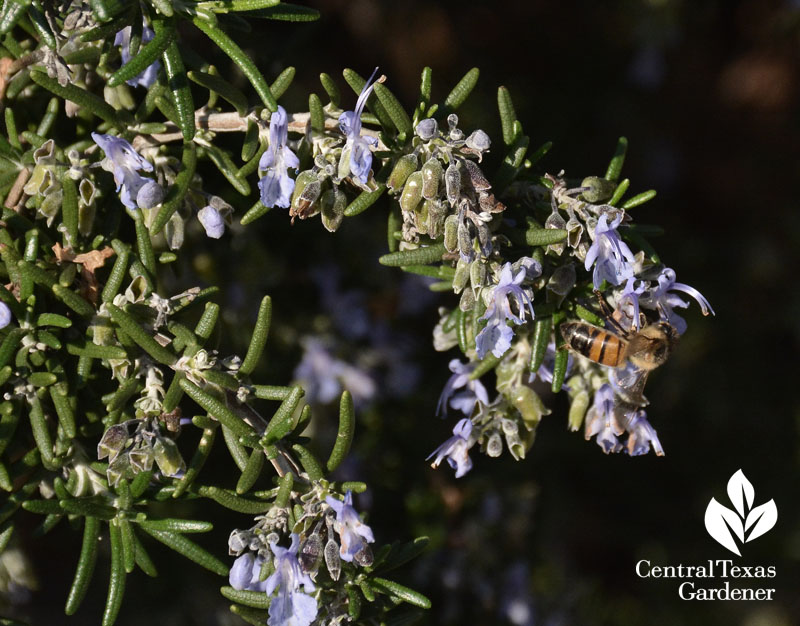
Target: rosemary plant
x=112, y=131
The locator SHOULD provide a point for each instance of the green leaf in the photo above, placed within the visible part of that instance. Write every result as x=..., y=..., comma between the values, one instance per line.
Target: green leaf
x=176, y=525
x=271, y=392
x=615, y=166
x=228, y=168
x=420, y=256
x=142, y=338
x=242, y=5
x=215, y=408
x=286, y=12
x=364, y=200
x=179, y=86
x=316, y=112
x=198, y=460
x=344, y=436
x=81, y=97
x=177, y=192
x=251, y=471
x=395, y=110
x=259, y=337
x=403, y=553
x=543, y=327
x=508, y=116
x=116, y=580
x=559, y=368
x=234, y=502
x=190, y=550
x=86, y=563
x=400, y=592
x=255, y=599
x=619, y=192
x=544, y=236
x=282, y=82
x=147, y=55
x=219, y=85
x=461, y=91
x=281, y=423
x=308, y=461
x=73, y=301
x=144, y=246
x=331, y=88
x=240, y=59
x=638, y=199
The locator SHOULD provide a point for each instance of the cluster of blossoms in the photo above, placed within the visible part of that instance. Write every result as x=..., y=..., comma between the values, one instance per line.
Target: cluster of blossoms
x=328, y=530
x=501, y=325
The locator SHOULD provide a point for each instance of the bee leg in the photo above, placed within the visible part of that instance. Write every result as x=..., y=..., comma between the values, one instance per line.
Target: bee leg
x=608, y=314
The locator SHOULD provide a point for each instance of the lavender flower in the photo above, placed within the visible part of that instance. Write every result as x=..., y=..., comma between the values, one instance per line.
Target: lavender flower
x=125, y=162
x=496, y=335
x=353, y=533
x=456, y=449
x=611, y=257
x=601, y=420
x=276, y=186
x=641, y=435
x=463, y=401
x=5, y=315
x=212, y=221
x=323, y=375
x=245, y=573
x=356, y=156
x=660, y=299
x=290, y=607
x=629, y=304
x=123, y=39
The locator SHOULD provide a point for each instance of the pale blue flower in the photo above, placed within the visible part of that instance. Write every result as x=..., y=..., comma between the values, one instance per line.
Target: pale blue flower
x=324, y=376
x=601, y=420
x=245, y=573
x=135, y=190
x=496, y=335
x=356, y=156
x=353, y=533
x=150, y=74
x=276, y=186
x=641, y=435
x=456, y=449
x=611, y=257
x=290, y=607
x=5, y=315
x=212, y=221
x=464, y=401
x=629, y=303
x=662, y=300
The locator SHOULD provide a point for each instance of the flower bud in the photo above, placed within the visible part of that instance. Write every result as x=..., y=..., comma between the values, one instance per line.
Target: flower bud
x=451, y=233
x=599, y=189
x=332, y=560
x=412, y=192
x=113, y=442
x=421, y=218
x=452, y=182
x=168, y=457
x=436, y=214
x=494, y=447
x=306, y=192
x=529, y=405
x=479, y=141
x=477, y=274
x=461, y=276
x=333, y=204
x=427, y=129
x=405, y=165
x=431, y=175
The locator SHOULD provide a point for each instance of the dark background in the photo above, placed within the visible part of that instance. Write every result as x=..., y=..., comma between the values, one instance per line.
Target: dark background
x=707, y=94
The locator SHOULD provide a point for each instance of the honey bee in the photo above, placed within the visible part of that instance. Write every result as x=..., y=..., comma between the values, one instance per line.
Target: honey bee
x=633, y=354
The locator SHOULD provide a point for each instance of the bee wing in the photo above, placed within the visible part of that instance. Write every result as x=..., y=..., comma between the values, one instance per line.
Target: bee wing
x=629, y=381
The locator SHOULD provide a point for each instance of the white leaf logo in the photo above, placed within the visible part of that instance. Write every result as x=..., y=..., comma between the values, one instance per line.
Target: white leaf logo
x=746, y=522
